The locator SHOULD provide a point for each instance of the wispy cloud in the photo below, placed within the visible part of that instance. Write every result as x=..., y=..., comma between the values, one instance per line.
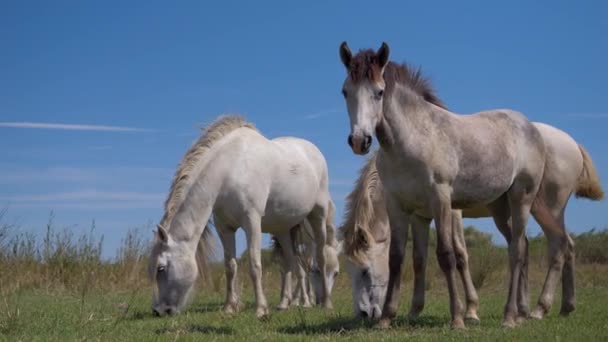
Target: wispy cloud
x=86, y=199
x=321, y=113
x=72, y=127
x=96, y=176
x=85, y=195
x=588, y=115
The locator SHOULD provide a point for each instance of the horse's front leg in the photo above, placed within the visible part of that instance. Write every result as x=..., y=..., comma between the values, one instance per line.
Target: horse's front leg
x=253, y=230
x=227, y=237
x=399, y=222
x=442, y=212
x=462, y=264
x=420, y=238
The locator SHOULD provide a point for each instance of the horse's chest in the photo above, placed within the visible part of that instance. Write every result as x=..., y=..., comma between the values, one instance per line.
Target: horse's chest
x=410, y=190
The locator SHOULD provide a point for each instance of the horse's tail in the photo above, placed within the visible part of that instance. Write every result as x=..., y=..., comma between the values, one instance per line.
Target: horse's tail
x=277, y=250
x=588, y=185
x=205, y=253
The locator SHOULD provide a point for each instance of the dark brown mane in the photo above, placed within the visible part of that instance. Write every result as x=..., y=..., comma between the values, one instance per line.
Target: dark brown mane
x=365, y=65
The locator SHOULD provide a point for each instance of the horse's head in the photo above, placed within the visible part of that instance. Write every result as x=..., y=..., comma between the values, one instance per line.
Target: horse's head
x=332, y=269
x=173, y=269
x=368, y=273
x=363, y=91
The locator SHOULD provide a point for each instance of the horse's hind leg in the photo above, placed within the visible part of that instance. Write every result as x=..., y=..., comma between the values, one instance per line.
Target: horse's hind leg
x=227, y=237
x=568, y=289
x=462, y=264
x=561, y=257
x=287, y=266
x=253, y=230
x=301, y=264
x=502, y=216
x=317, y=219
x=420, y=238
x=520, y=202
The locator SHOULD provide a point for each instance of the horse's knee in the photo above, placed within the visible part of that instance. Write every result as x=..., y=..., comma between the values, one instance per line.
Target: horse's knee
x=419, y=262
x=395, y=260
x=446, y=259
x=462, y=258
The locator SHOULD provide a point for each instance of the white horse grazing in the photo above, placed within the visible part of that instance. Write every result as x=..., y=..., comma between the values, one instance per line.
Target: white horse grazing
x=432, y=161
x=310, y=284
x=244, y=180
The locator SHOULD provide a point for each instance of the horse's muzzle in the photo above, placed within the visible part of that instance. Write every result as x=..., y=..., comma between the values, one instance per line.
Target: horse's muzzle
x=360, y=145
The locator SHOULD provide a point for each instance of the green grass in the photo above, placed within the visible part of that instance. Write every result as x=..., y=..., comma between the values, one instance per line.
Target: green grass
x=59, y=289
x=33, y=315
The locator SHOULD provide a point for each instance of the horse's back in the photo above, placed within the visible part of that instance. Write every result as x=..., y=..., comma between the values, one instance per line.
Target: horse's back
x=282, y=178
x=499, y=148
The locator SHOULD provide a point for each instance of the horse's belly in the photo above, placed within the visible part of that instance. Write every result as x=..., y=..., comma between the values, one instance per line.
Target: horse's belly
x=288, y=206
x=475, y=190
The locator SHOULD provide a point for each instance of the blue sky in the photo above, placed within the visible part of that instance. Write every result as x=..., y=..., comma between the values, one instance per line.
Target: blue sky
x=150, y=73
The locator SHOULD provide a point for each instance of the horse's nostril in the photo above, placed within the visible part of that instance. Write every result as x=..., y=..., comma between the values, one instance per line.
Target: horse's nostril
x=350, y=140
x=155, y=312
x=363, y=314
x=170, y=311
x=368, y=142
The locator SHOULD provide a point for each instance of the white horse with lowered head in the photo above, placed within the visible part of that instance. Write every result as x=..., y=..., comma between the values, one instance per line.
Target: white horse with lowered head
x=244, y=180
x=432, y=161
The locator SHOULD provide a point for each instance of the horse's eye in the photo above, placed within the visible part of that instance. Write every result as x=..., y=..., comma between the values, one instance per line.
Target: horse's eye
x=365, y=273
x=160, y=269
x=380, y=93
x=344, y=93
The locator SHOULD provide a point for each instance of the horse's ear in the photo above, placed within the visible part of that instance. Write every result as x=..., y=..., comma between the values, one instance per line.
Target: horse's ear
x=383, y=54
x=345, y=54
x=161, y=233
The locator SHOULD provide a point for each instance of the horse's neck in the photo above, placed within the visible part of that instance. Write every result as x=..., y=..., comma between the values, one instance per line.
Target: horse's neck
x=412, y=123
x=195, y=211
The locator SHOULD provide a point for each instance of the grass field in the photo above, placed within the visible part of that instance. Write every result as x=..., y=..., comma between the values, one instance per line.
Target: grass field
x=126, y=316
x=62, y=291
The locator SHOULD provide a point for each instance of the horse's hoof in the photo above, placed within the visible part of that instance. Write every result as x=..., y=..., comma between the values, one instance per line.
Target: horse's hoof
x=413, y=315
x=328, y=305
x=537, y=314
x=566, y=310
x=230, y=309
x=457, y=324
x=521, y=319
x=472, y=319
x=262, y=313
x=383, y=324
x=307, y=305
x=283, y=305
x=509, y=323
